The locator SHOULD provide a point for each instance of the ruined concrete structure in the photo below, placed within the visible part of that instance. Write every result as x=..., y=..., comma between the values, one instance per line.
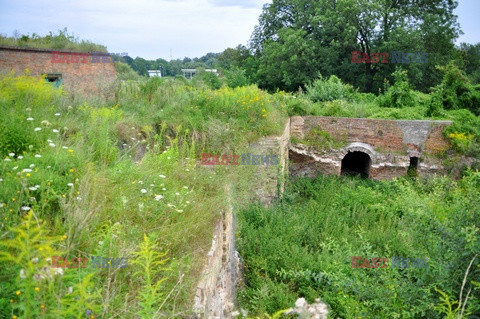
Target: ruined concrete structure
x=79, y=72
x=375, y=148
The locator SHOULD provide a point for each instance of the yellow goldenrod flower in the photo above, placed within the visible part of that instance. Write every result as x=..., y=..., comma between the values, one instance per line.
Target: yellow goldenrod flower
x=37, y=289
x=18, y=292
x=42, y=306
x=11, y=300
x=64, y=237
x=70, y=151
x=72, y=170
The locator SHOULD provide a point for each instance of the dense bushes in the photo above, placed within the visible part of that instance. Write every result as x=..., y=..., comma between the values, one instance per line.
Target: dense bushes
x=328, y=90
x=455, y=92
x=399, y=94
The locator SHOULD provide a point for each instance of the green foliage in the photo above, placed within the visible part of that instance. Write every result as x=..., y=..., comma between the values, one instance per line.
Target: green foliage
x=295, y=39
x=455, y=92
x=60, y=40
x=125, y=72
x=464, y=133
x=104, y=174
x=235, y=77
x=151, y=265
x=399, y=95
x=322, y=140
x=304, y=246
x=328, y=90
x=210, y=79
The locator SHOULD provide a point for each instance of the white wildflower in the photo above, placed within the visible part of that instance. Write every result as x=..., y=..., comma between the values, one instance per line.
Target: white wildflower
x=26, y=208
x=140, y=182
x=20, y=157
x=100, y=243
x=70, y=290
x=55, y=131
x=32, y=165
x=22, y=274
x=51, y=145
x=32, y=188
x=65, y=147
x=30, y=119
x=37, y=129
x=180, y=210
x=38, y=155
x=7, y=160
x=58, y=271
x=188, y=202
x=15, y=168
x=143, y=190
x=177, y=193
x=162, y=176
x=186, y=187
x=27, y=170
x=35, y=260
x=79, y=198
x=170, y=205
x=11, y=154
x=158, y=197
x=164, y=189
x=49, y=141
x=57, y=114
x=70, y=184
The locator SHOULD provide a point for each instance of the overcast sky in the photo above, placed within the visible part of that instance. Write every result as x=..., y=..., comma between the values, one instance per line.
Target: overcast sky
x=162, y=28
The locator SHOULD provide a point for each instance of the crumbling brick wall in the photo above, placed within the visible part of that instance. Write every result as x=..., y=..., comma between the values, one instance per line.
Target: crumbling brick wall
x=389, y=143
x=86, y=78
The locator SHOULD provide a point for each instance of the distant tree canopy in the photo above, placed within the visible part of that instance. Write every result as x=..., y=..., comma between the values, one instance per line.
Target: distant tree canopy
x=297, y=39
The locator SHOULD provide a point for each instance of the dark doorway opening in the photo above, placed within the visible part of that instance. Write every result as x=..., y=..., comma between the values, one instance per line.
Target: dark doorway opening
x=412, y=169
x=356, y=164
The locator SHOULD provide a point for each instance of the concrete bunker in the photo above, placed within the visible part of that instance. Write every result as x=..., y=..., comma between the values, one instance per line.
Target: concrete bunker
x=356, y=163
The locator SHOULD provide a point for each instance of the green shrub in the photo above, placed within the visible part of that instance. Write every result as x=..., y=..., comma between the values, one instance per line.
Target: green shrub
x=235, y=77
x=455, y=92
x=322, y=90
x=399, y=94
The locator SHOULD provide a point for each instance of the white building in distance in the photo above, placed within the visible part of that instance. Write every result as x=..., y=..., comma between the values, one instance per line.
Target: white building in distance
x=152, y=73
x=190, y=73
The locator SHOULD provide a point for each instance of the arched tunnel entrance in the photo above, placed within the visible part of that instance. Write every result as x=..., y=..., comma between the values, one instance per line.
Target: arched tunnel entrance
x=356, y=164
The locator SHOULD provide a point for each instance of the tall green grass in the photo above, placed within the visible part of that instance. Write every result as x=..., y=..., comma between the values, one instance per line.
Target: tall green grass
x=304, y=246
x=103, y=175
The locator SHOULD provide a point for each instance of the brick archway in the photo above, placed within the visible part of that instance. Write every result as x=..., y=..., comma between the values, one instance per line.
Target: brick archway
x=357, y=159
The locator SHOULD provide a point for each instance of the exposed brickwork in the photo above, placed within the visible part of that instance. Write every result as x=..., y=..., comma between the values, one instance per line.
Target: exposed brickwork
x=390, y=145
x=87, y=78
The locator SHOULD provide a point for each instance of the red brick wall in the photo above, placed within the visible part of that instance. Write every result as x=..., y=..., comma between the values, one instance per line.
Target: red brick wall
x=383, y=135
x=86, y=78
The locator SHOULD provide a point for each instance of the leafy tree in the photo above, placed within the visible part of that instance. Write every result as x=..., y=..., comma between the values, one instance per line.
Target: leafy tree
x=333, y=29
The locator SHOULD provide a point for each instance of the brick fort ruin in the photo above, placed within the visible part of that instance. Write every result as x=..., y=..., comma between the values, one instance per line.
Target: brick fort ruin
x=83, y=74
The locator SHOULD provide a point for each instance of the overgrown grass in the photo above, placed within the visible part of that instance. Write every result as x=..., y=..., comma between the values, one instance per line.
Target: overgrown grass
x=104, y=176
x=304, y=246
